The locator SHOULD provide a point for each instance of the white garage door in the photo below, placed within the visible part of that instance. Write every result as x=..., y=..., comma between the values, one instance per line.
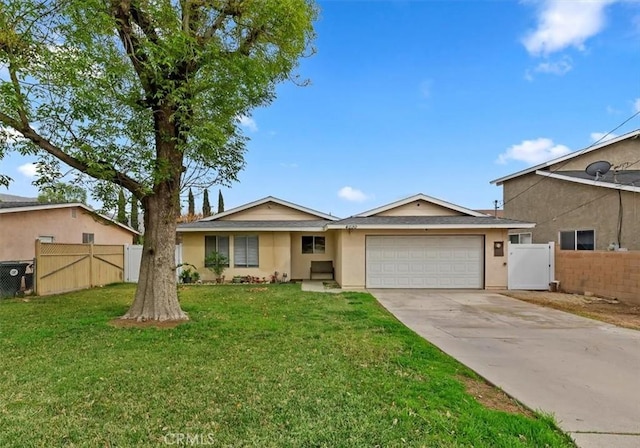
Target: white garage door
x=425, y=261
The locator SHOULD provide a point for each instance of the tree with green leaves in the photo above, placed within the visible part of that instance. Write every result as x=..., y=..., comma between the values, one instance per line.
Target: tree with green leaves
x=206, y=207
x=220, y=202
x=145, y=96
x=191, y=208
x=135, y=224
x=60, y=192
x=122, y=208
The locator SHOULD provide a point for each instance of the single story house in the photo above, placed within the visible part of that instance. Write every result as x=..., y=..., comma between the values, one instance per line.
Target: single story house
x=579, y=210
x=23, y=223
x=417, y=242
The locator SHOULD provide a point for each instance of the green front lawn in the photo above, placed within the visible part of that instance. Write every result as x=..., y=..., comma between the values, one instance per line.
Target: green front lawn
x=256, y=366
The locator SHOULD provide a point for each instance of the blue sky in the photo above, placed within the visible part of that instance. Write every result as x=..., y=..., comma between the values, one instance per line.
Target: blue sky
x=436, y=97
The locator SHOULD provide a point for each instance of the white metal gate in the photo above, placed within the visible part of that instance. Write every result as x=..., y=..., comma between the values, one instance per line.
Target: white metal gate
x=133, y=257
x=531, y=266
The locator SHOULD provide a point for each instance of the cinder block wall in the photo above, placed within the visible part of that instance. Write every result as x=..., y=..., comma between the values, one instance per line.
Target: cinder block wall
x=603, y=273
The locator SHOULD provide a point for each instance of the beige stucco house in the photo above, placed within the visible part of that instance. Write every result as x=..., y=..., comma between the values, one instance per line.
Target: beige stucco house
x=22, y=223
x=417, y=242
x=578, y=210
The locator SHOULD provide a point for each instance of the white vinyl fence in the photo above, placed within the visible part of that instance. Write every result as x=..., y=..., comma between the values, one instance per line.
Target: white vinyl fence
x=133, y=257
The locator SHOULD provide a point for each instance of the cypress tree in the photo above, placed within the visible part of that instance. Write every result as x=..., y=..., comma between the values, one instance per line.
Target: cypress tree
x=220, y=202
x=135, y=225
x=206, y=207
x=122, y=208
x=192, y=204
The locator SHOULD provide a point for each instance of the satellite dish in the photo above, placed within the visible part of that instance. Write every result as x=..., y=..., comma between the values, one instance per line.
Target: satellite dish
x=598, y=169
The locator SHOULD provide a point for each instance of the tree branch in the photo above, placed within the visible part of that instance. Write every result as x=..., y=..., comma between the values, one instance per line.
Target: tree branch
x=16, y=86
x=132, y=45
x=116, y=176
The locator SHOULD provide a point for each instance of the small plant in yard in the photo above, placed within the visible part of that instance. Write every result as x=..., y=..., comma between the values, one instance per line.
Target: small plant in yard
x=188, y=275
x=217, y=263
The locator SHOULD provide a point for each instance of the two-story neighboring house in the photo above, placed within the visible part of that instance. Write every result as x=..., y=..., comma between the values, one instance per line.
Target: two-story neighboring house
x=576, y=209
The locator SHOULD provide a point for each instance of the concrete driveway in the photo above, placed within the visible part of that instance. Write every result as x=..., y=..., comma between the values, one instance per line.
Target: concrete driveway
x=586, y=373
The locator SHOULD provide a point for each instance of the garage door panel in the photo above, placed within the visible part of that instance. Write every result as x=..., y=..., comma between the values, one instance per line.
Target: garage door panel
x=425, y=261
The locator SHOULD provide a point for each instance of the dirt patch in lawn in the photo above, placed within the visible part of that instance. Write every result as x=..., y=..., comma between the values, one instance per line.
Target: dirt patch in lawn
x=492, y=397
x=611, y=311
x=131, y=323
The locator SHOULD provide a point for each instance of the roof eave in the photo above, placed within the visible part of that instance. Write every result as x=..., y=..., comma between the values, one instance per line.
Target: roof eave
x=250, y=229
x=591, y=182
x=526, y=225
x=588, y=149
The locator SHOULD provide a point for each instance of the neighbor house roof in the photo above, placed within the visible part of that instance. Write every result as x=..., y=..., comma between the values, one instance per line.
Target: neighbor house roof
x=255, y=226
x=628, y=180
x=422, y=197
x=21, y=207
x=266, y=200
x=588, y=149
x=429, y=222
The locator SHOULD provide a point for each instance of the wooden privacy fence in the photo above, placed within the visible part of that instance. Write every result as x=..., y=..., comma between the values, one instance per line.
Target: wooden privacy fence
x=70, y=267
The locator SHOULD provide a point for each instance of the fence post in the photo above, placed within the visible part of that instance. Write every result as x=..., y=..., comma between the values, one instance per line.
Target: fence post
x=91, y=282
x=36, y=280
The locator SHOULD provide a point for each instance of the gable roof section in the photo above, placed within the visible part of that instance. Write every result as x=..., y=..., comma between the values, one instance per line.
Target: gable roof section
x=255, y=226
x=275, y=200
x=20, y=207
x=418, y=197
x=588, y=149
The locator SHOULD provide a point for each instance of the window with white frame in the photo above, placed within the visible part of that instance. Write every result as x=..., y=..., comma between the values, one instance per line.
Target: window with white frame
x=88, y=238
x=245, y=251
x=216, y=243
x=313, y=244
x=577, y=240
x=45, y=239
x=520, y=238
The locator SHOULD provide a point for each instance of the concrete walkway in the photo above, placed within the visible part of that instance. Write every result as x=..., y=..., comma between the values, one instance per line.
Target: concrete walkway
x=318, y=286
x=584, y=372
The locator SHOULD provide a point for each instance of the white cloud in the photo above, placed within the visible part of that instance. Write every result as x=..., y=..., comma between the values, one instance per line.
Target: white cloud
x=533, y=151
x=352, y=194
x=560, y=67
x=248, y=123
x=636, y=105
x=289, y=165
x=28, y=169
x=563, y=24
x=602, y=136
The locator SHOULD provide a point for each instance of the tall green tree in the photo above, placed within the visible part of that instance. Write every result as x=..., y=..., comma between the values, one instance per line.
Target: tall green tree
x=61, y=192
x=220, y=202
x=122, y=208
x=192, y=204
x=147, y=96
x=135, y=223
x=206, y=207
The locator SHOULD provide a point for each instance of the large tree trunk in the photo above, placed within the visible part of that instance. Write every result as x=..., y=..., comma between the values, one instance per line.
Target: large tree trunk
x=157, y=293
